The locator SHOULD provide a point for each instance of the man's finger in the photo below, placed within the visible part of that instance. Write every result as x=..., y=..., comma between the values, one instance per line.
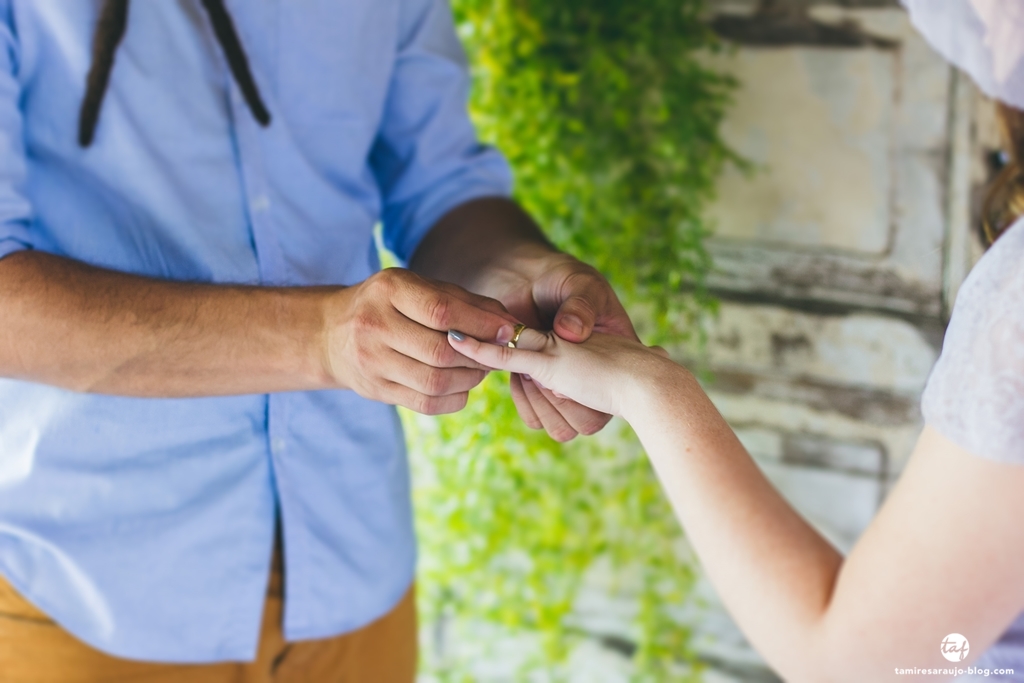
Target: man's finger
x=427, y=346
x=585, y=303
x=430, y=381
x=575, y=319
x=480, y=301
x=401, y=395
x=440, y=310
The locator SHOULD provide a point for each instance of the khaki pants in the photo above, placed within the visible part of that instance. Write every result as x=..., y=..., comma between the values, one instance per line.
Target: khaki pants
x=33, y=649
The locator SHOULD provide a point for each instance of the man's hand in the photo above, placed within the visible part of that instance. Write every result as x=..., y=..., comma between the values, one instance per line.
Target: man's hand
x=493, y=247
x=126, y=335
x=386, y=340
x=574, y=300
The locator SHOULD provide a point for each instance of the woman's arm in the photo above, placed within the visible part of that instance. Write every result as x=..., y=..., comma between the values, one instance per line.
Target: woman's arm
x=945, y=555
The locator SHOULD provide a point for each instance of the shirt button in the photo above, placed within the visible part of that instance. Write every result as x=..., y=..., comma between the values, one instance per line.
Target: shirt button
x=277, y=446
x=260, y=203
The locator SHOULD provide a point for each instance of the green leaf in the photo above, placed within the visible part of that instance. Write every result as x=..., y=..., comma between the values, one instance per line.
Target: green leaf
x=611, y=123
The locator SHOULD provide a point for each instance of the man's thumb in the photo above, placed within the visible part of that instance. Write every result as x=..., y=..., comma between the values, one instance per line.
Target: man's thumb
x=575, y=320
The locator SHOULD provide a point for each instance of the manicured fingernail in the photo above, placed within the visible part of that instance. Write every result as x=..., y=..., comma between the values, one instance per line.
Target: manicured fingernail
x=504, y=334
x=456, y=335
x=573, y=324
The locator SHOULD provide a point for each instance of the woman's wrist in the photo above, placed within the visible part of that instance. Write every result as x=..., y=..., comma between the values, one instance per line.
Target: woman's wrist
x=655, y=389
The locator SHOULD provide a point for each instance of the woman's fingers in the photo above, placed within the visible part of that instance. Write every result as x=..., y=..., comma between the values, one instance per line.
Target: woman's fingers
x=532, y=340
x=526, y=411
x=582, y=419
x=554, y=422
x=519, y=359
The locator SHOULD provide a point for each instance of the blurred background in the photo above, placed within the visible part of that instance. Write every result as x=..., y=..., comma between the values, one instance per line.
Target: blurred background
x=785, y=192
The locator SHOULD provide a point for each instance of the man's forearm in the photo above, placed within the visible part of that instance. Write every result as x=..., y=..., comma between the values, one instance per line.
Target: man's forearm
x=67, y=324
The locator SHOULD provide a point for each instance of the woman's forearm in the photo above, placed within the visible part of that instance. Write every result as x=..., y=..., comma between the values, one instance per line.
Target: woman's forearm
x=921, y=570
x=773, y=571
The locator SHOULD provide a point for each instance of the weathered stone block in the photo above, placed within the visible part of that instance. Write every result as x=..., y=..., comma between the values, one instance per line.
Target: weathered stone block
x=817, y=123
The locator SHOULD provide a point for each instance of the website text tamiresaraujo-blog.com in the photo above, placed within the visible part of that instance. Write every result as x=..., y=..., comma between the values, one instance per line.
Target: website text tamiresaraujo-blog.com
x=954, y=671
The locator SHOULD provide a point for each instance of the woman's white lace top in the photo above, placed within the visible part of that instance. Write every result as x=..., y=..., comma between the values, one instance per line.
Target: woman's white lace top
x=975, y=395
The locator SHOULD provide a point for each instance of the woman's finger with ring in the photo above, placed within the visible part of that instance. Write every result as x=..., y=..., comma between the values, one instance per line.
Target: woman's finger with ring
x=516, y=333
x=528, y=339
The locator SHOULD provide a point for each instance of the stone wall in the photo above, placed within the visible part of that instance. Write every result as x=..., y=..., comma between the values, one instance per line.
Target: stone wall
x=838, y=259
x=837, y=262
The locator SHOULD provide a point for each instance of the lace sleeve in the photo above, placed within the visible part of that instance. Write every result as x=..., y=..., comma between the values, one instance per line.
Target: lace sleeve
x=975, y=395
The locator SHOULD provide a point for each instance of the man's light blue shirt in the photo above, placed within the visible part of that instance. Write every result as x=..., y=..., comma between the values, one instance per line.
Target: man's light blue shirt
x=145, y=527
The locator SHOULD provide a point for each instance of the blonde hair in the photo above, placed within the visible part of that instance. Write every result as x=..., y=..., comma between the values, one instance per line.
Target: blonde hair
x=1005, y=201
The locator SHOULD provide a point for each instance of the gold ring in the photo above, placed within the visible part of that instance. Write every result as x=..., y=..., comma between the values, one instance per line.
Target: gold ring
x=515, y=335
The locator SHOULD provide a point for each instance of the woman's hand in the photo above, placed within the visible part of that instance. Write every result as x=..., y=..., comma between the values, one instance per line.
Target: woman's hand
x=607, y=373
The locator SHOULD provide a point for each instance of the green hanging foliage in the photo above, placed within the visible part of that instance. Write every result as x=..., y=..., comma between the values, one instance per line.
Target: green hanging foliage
x=611, y=124
x=610, y=121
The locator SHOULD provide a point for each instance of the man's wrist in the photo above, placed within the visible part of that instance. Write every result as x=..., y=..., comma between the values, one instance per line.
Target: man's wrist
x=478, y=237
x=526, y=263
x=315, y=314
x=533, y=260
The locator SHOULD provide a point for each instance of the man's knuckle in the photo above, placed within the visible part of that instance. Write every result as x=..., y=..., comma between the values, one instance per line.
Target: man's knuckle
x=421, y=404
x=582, y=304
x=583, y=275
x=589, y=271
x=437, y=382
x=444, y=405
x=367, y=321
x=439, y=311
x=441, y=353
x=489, y=304
x=383, y=284
x=363, y=356
x=581, y=285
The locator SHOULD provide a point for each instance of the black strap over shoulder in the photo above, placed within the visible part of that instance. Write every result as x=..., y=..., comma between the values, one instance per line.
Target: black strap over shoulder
x=110, y=30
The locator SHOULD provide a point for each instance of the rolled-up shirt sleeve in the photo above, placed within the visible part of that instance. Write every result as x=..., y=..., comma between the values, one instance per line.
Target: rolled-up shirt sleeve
x=15, y=209
x=426, y=158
